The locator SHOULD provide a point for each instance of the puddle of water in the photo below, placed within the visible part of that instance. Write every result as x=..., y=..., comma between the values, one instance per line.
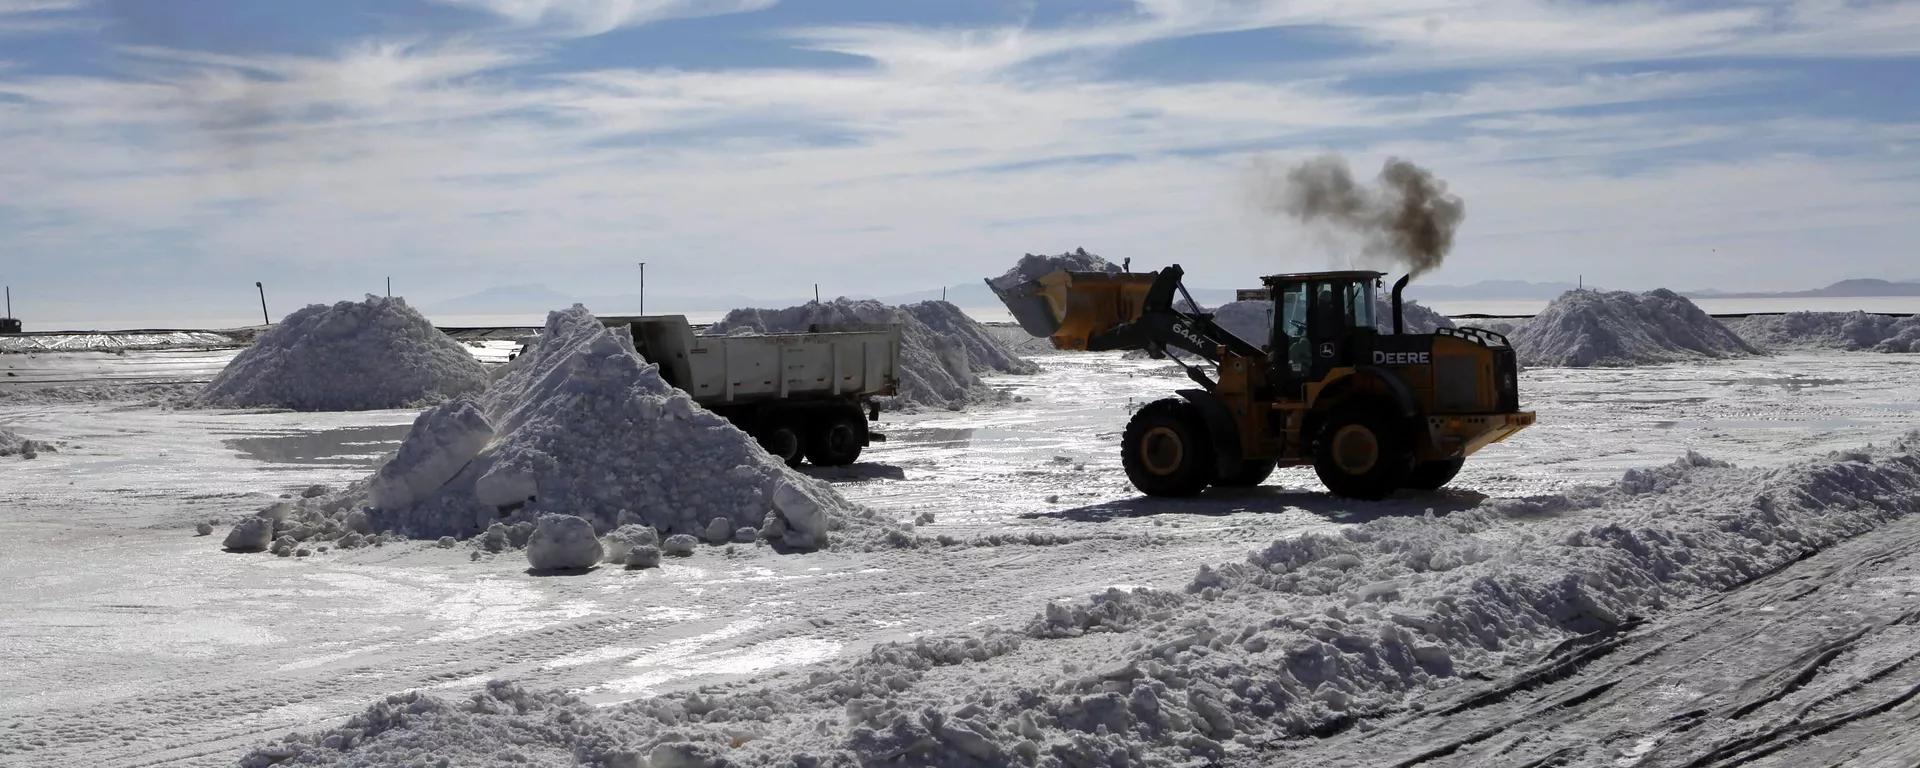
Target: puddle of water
x=344, y=446
x=1791, y=383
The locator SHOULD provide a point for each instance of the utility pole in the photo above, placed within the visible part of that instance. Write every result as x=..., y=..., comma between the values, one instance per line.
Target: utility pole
x=389, y=287
x=643, y=288
x=816, y=293
x=263, y=302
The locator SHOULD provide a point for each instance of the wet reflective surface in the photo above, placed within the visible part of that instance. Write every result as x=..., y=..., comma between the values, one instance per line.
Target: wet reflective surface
x=341, y=446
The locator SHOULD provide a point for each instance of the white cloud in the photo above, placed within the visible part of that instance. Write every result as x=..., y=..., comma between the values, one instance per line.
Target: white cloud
x=594, y=17
x=436, y=155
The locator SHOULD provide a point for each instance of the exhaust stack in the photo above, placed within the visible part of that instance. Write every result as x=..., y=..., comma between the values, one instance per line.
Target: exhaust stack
x=1399, y=285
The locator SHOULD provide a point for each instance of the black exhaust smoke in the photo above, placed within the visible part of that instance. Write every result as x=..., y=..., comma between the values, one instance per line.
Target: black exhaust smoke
x=1407, y=218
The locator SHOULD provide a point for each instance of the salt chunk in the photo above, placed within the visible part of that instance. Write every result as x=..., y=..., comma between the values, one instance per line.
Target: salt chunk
x=505, y=485
x=251, y=534
x=680, y=544
x=442, y=441
x=203, y=529
x=719, y=531
x=563, y=542
x=643, y=556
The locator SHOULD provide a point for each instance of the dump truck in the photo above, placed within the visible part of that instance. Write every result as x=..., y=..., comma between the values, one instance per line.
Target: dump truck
x=1372, y=412
x=804, y=396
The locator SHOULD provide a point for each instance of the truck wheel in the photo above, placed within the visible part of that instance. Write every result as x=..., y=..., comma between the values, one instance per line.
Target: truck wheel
x=1166, y=449
x=1252, y=472
x=835, y=440
x=1434, y=475
x=782, y=439
x=1363, y=451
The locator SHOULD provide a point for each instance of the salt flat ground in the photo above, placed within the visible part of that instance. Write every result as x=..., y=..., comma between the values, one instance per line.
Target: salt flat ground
x=130, y=641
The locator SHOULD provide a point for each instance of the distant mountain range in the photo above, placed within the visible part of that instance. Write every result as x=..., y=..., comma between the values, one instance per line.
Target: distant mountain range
x=1846, y=289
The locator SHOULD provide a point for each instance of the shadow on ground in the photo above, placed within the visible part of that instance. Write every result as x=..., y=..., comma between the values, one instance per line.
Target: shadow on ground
x=854, y=472
x=1269, y=499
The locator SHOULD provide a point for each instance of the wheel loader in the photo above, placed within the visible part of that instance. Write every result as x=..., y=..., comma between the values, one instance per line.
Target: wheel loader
x=1372, y=412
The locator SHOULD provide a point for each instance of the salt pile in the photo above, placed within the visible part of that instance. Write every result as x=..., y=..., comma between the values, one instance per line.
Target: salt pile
x=1310, y=634
x=351, y=356
x=12, y=444
x=581, y=426
x=943, y=353
x=1851, y=331
x=1031, y=267
x=1589, y=328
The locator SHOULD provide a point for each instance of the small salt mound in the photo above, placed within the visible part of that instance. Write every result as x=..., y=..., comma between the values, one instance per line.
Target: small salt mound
x=625, y=538
x=583, y=426
x=1031, y=267
x=251, y=534
x=1851, y=331
x=377, y=353
x=1589, y=328
x=943, y=352
x=12, y=444
x=563, y=542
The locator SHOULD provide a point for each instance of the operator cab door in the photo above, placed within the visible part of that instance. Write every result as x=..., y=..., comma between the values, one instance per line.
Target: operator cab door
x=1314, y=332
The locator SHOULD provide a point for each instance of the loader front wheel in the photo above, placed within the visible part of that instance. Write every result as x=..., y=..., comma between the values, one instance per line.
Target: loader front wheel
x=1166, y=449
x=1434, y=475
x=1363, y=452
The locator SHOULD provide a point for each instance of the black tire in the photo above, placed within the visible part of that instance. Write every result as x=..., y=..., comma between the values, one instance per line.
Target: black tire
x=1167, y=450
x=836, y=437
x=1252, y=472
x=1434, y=475
x=1364, y=450
x=783, y=438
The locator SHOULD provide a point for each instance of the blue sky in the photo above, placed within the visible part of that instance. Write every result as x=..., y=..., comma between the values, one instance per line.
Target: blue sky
x=158, y=156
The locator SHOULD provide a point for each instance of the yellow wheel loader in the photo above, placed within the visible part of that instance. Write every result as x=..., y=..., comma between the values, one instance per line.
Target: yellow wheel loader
x=1372, y=412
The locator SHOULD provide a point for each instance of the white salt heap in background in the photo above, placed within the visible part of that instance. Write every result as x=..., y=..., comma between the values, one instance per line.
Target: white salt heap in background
x=351, y=356
x=1589, y=328
x=1851, y=331
x=943, y=352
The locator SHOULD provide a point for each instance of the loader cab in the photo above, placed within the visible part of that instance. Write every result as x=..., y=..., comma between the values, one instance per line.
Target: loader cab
x=1321, y=321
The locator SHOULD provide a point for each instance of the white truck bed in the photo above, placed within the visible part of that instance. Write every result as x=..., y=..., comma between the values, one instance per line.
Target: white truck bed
x=838, y=362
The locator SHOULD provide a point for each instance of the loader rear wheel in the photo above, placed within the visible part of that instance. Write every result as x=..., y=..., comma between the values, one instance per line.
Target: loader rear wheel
x=835, y=439
x=1363, y=452
x=1166, y=449
x=1252, y=472
x=1434, y=475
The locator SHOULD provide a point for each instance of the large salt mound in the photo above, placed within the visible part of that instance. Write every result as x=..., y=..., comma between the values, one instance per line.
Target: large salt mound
x=1589, y=328
x=1031, y=267
x=943, y=352
x=377, y=353
x=583, y=426
x=1851, y=331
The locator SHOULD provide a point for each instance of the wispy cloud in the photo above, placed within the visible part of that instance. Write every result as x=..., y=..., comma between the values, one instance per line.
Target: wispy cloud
x=449, y=155
x=594, y=17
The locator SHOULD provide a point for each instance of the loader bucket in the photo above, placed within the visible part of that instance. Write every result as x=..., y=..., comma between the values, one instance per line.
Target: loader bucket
x=1069, y=307
x=1030, y=309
